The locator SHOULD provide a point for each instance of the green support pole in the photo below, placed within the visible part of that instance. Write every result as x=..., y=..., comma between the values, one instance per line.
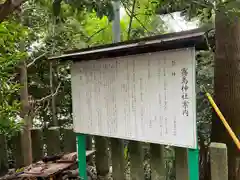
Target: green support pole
x=82, y=162
x=193, y=164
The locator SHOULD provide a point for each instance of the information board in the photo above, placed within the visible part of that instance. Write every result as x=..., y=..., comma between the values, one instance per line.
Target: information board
x=146, y=97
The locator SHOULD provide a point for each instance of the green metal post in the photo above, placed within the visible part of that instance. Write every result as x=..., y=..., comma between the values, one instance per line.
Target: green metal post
x=193, y=164
x=82, y=162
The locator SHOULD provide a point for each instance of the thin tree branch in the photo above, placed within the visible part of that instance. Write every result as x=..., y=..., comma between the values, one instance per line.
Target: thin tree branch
x=37, y=58
x=50, y=95
x=30, y=64
x=34, y=111
x=207, y=40
x=131, y=19
x=94, y=34
x=39, y=107
x=128, y=13
x=13, y=76
x=45, y=109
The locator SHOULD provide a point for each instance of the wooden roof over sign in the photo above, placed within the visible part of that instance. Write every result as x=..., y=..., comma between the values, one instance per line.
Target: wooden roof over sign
x=192, y=38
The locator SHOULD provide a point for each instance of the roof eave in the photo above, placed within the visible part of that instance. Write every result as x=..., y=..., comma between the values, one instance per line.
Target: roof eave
x=194, y=38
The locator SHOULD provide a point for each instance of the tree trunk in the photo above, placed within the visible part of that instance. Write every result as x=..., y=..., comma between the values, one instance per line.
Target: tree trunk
x=8, y=7
x=53, y=104
x=227, y=83
x=26, y=143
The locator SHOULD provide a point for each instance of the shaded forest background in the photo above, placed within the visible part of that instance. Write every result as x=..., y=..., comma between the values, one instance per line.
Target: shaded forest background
x=37, y=93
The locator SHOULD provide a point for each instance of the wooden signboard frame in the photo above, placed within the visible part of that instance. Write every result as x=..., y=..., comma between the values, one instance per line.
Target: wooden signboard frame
x=193, y=38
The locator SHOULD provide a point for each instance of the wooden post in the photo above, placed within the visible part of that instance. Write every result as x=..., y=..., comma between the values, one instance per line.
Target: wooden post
x=37, y=144
x=157, y=162
x=82, y=164
x=117, y=154
x=17, y=150
x=53, y=141
x=102, y=156
x=136, y=160
x=3, y=155
x=182, y=172
x=218, y=161
x=69, y=140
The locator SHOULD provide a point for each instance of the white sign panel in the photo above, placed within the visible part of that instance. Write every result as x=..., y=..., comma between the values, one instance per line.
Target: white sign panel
x=145, y=97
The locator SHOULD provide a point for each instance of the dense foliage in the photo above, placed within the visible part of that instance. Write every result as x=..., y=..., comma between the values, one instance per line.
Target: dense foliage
x=77, y=29
x=11, y=33
x=65, y=25
x=51, y=27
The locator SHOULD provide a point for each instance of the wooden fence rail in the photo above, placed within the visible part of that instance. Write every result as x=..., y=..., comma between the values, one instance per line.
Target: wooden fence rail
x=109, y=155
